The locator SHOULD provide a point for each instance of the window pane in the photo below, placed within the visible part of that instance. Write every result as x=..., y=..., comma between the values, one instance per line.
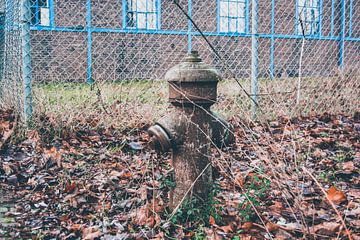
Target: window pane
x=224, y=9
x=151, y=5
x=241, y=25
x=233, y=25
x=241, y=10
x=233, y=9
x=43, y=3
x=131, y=5
x=33, y=16
x=224, y=25
x=33, y=3
x=152, y=21
x=141, y=5
x=141, y=21
x=44, y=17
x=130, y=19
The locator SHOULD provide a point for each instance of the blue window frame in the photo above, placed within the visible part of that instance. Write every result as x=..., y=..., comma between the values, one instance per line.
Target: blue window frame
x=308, y=17
x=41, y=14
x=233, y=16
x=141, y=14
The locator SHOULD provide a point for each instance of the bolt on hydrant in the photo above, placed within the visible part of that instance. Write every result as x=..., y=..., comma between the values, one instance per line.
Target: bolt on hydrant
x=191, y=127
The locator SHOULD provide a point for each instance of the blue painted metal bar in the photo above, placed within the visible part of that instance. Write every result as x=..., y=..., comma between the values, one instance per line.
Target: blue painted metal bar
x=172, y=32
x=342, y=34
x=254, y=56
x=89, y=42
x=124, y=14
x=247, y=14
x=52, y=12
x=272, y=44
x=189, y=26
x=25, y=20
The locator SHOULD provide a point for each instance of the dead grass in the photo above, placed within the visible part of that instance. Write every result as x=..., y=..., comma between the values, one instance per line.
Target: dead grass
x=133, y=104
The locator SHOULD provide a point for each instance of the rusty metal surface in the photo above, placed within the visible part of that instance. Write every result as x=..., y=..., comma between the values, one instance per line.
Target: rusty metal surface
x=192, y=81
x=190, y=127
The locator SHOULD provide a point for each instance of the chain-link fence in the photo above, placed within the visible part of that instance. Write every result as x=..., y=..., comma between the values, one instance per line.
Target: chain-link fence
x=102, y=62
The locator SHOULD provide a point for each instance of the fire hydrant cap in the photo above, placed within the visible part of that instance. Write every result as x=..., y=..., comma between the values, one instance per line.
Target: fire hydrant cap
x=192, y=69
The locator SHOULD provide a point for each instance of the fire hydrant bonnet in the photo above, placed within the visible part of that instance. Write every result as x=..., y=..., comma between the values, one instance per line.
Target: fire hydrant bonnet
x=192, y=82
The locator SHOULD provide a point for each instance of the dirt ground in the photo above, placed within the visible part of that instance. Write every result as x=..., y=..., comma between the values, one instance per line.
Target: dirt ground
x=286, y=179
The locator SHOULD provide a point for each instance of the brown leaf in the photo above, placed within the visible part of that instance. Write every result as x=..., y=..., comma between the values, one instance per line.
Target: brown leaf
x=277, y=207
x=327, y=228
x=272, y=226
x=348, y=166
x=227, y=229
x=75, y=227
x=91, y=233
x=336, y=196
x=54, y=154
x=247, y=225
x=211, y=221
x=70, y=187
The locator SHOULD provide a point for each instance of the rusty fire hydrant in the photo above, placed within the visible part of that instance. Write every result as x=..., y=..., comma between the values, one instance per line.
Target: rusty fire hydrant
x=191, y=127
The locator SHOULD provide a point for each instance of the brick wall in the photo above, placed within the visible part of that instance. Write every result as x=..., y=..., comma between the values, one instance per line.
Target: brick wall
x=62, y=56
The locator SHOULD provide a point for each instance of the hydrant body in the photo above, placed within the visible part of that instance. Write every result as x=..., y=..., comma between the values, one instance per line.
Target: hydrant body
x=191, y=128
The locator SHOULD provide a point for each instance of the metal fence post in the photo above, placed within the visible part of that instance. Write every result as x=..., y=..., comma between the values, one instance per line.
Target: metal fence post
x=189, y=26
x=254, y=56
x=89, y=42
x=342, y=34
x=272, y=44
x=26, y=58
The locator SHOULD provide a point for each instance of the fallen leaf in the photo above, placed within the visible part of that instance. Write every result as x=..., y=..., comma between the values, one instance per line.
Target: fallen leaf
x=272, y=226
x=327, y=228
x=91, y=233
x=247, y=225
x=212, y=220
x=335, y=195
x=348, y=166
x=227, y=229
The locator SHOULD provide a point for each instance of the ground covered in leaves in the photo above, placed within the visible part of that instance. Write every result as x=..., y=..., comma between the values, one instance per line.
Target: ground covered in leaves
x=286, y=179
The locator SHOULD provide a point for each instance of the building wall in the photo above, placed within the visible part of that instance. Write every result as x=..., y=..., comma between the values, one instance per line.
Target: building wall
x=62, y=56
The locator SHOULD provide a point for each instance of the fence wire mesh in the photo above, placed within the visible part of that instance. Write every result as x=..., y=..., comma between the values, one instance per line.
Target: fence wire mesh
x=101, y=61
x=100, y=64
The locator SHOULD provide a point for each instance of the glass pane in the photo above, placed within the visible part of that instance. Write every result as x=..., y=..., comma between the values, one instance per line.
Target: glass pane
x=33, y=3
x=141, y=5
x=44, y=17
x=141, y=21
x=151, y=5
x=241, y=10
x=131, y=5
x=233, y=25
x=241, y=25
x=152, y=21
x=43, y=3
x=233, y=9
x=314, y=3
x=33, y=16
x=224, y=24
x=130, y=19
x=224, y=9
